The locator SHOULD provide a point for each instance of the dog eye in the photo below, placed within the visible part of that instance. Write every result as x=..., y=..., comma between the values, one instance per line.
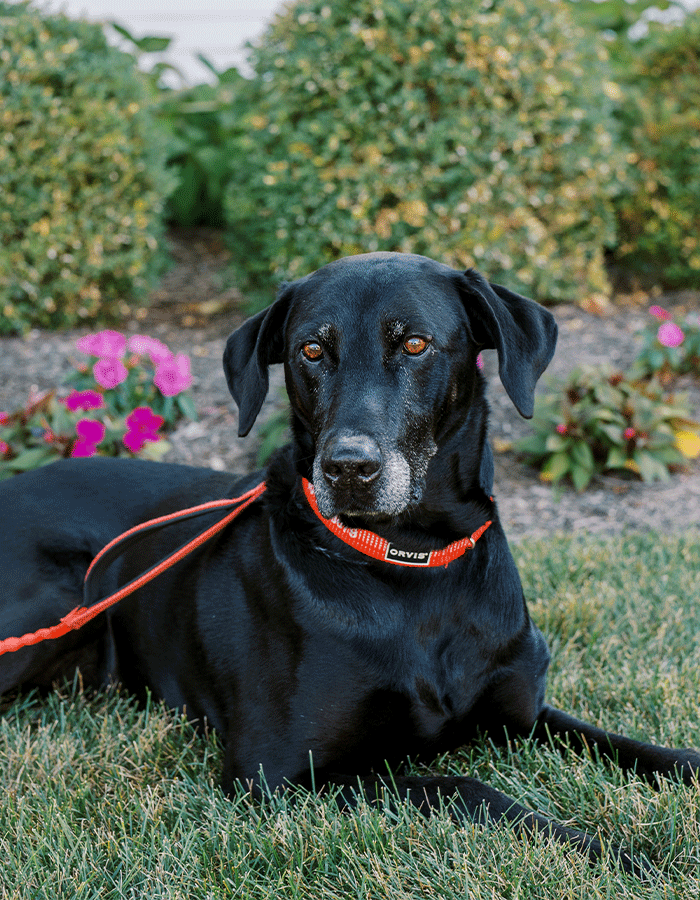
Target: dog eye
x=312, y=350
x=415, y=345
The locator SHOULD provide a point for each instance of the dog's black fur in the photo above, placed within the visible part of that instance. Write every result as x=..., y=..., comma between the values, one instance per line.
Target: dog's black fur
x=291, y=644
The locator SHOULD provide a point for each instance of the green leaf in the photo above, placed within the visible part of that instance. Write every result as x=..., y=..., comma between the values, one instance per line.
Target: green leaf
x=124, y=32
x=650, y=468
x=153, y=44
x=531, y=446
x=556, y=467
x=31, y=459
x=617, y=459
x=670, y=456
x=656, y=359
x=186, y=406
x=207, y=63
x=611, y=432
x=581, y=477
x=146, y=44
x=582, y=455
x=603, y=414
x=556, y=442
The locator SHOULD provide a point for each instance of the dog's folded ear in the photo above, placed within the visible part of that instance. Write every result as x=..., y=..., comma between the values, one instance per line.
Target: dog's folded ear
x=522, y=331
x=257, y=344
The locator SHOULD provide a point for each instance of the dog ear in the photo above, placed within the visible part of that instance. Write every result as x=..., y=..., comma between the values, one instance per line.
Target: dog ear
x=257, y=344
x=522, y=331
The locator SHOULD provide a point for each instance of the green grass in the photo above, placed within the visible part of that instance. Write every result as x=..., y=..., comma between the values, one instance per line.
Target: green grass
x=101, y=799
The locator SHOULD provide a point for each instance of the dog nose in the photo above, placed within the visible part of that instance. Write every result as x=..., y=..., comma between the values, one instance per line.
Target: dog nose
x=352, y=458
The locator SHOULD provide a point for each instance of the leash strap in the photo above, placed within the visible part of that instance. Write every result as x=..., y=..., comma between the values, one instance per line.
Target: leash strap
x=81, y=615
x=377, y=547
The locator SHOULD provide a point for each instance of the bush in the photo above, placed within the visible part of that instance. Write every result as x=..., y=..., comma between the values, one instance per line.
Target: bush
x=480, y=132
x=659, y=218
x=81, y=174
x=205, y=121
x=601, y=421
x=117, y=405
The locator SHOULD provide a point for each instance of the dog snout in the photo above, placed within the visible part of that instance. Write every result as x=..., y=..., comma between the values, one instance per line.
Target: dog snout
x=351, y=459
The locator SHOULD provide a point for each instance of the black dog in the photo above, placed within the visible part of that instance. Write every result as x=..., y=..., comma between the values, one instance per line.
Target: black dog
x=293, y=644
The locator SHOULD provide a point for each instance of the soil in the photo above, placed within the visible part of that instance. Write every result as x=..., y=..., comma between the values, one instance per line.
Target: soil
x=195, y=308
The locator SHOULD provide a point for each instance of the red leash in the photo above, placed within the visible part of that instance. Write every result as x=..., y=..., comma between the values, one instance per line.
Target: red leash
x=81, y=615
x=366, y=542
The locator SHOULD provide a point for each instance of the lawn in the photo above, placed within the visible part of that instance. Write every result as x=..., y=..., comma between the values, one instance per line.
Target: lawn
x=102, y=799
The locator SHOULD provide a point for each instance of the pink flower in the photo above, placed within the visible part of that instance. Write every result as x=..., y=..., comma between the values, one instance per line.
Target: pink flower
x=4, y=418
x=145, y=345
x=561, y=428
x=83, y=448
x=629, y=433
x=90, y=433
x=90, y=430
x=142, y=426
x=103, y=343
x=4, y=448
x=663, y=315
x=84, y=400
x=173, y=375
x=109, y=372
x=670, y=335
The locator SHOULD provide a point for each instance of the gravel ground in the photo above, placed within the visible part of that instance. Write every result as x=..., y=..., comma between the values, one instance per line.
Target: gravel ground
x=528, y=507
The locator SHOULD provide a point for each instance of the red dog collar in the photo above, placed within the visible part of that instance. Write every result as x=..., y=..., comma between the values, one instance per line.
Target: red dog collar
x=377, y=547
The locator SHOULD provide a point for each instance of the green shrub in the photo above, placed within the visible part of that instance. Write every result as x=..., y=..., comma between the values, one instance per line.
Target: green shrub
x=659, y=218
x=476, y=131
x=82, y=174
x=205, y=121
x=601, y=421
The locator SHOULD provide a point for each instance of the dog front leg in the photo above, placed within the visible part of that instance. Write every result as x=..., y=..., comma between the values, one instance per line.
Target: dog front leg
x=647, y=760
x=468, y=798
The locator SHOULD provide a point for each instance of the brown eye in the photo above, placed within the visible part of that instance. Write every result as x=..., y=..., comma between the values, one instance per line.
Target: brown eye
x=415, y=345
x=312, y=351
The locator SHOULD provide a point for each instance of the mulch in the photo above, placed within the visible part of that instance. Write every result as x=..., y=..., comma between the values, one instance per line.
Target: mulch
x=195, y=309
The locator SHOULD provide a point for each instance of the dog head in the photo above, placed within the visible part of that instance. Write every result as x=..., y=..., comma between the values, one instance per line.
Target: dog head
x=380, y=365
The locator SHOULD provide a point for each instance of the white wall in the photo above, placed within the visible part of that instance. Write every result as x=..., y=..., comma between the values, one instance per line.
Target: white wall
x=217, y=28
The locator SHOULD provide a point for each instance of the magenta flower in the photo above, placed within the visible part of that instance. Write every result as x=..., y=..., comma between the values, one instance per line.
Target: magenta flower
x=90, y=430
x=142, y=426
x=84, y=400
x=561, y=428
x=629, y=433
x=90, y=433
x=145, y=345
x=4, y=448
x=658, y=312
x=83, y=448
x=109, y=372
x=173, y=375
x=4, y=418
x=103, y=343
x=670, y=335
